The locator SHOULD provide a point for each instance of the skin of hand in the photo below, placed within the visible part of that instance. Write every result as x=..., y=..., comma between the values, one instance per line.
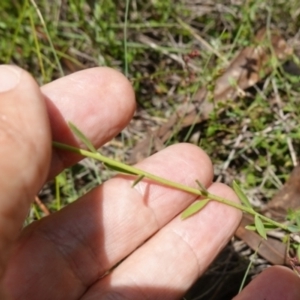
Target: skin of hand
x=68, y=255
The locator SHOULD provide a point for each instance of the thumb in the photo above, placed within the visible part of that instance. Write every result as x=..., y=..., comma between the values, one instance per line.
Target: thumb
x=25, y=148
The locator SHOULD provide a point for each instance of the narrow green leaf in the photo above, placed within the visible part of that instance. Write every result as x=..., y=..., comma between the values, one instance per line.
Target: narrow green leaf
x=297, y=218
x=250, y=227
x=241, y=194
x=298, y=252
x=195, y=207
x=141, y=177
x=203, y=189
x=61, y=178
x=260, y=227
x=293, y=228
x=252, y=259
x=118, y=169
x=82, y=137
x=267, y=227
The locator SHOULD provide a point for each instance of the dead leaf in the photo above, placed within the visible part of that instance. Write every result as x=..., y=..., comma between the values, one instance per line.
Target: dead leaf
x=244, y=71
x=287, y=198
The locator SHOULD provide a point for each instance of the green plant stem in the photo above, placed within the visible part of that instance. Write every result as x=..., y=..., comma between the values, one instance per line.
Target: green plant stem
x=125, y=38
x=48, y=37
x=134, y=171
x=16, y=32
x=37, y=45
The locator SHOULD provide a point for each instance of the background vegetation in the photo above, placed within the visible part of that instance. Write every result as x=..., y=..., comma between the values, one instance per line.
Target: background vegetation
x=255, y=140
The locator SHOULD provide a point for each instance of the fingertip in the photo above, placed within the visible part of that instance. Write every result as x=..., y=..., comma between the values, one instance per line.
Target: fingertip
x=120, y=88
x=15, y=79
x=89, y=96
x=274, y=283
x=113, y=87
x=24, y=125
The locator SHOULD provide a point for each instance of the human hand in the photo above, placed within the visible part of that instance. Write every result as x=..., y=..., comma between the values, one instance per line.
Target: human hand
x=66, y=255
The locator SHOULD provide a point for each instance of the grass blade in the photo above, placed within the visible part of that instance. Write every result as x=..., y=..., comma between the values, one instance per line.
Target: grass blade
x=298, y=252
x=48, y=37
x=125, y=38
x=252, y=259
x=194, y=208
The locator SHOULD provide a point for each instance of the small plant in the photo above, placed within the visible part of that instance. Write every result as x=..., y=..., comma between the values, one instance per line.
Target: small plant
x=261, y=223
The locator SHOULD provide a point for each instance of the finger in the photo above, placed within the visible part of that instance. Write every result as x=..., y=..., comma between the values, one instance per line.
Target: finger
x=177, y=255
x=99, y=101
x=275, y=283
x=25, y=150
x=82, y=242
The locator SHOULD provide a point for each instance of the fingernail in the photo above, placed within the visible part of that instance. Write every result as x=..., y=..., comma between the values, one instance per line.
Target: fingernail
x=9, y=77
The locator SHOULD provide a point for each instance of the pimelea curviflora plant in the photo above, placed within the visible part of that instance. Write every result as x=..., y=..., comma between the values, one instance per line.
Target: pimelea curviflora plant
x=262, y=224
